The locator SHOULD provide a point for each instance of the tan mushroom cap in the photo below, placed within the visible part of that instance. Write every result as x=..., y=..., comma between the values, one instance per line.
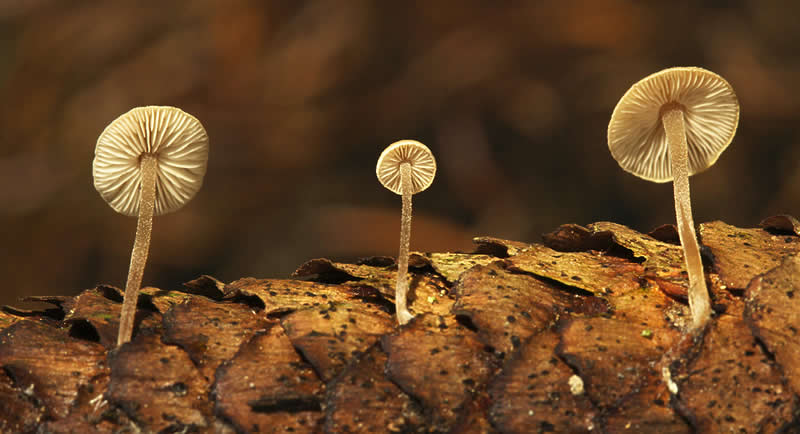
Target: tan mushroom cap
x=178, y=141
x=636, y=136
x=423, y=165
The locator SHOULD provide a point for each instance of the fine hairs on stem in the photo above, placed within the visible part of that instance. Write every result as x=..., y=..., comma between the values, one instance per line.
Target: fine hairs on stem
x=141, y=247
x=403, y=315
x=699, y=301
x=148, y=162
x=667, y=127
x=405, y=167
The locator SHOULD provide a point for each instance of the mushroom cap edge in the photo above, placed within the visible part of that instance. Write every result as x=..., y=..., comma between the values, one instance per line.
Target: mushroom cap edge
x=636, y=137
x=423, y=165
x=176, y=137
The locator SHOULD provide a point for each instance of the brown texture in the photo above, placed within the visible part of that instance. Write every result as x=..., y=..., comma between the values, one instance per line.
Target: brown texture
x=210, y=332
x=648, y=410
x=533, y=392
x=362, y=399
x=158, y=386
x=612, y=357
x=47, y=364
x=772, y=310
x=781, y=223
x=507, y=308
x=741, y=254
x=329, y=336
x=452, y=265
x=267, y=386
x=662, y=260
x=590, y=271
x=282, y=296
x=732, y=385
x=18, y=414
x=99, y=312
x=456, y=364
x=7, y=319
x=427, y=290
x=499, y=344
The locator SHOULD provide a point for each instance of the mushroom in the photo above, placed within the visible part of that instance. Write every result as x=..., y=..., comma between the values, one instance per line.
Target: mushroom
x=667, y=127
x=149, y=161
x=406, y=167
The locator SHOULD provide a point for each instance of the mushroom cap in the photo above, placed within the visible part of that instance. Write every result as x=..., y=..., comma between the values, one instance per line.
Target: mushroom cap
x=178, y=141
x=423, y=165
x=636, y=136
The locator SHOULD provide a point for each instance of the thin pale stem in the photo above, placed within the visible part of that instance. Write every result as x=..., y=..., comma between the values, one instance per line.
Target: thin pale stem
x=141, y=247
x=699, y=301
x=403, y=315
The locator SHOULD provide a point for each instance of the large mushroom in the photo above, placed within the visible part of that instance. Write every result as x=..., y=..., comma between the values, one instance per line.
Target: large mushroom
x=667, y=127
x=406, y=168
x=149, y=161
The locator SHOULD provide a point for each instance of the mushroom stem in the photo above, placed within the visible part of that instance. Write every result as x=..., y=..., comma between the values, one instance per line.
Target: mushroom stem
x=699, y=301
x=403, y=315
x=141, y=247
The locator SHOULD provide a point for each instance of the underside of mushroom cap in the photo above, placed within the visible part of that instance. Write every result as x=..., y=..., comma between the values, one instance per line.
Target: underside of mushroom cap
x=423, y=166
x=177, y=140
x=636, y=137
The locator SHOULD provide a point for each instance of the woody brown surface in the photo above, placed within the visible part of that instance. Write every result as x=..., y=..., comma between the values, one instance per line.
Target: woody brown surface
x=499, y=340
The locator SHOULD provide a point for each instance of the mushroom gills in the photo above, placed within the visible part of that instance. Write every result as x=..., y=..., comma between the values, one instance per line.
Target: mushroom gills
x=668, y=126
x=405, y=167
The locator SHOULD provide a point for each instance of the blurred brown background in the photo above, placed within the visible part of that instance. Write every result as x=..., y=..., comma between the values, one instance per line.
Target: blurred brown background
x=299, y=99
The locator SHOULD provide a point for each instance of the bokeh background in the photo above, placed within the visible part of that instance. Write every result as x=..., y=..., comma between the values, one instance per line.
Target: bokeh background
x=300, y=97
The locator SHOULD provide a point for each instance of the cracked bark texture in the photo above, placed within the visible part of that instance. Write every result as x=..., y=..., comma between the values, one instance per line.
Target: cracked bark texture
x=500, y=339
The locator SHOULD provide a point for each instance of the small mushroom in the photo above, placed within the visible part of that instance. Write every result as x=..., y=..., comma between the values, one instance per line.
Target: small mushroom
x=406, y=167
x=667, y=127
x=149, y=161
